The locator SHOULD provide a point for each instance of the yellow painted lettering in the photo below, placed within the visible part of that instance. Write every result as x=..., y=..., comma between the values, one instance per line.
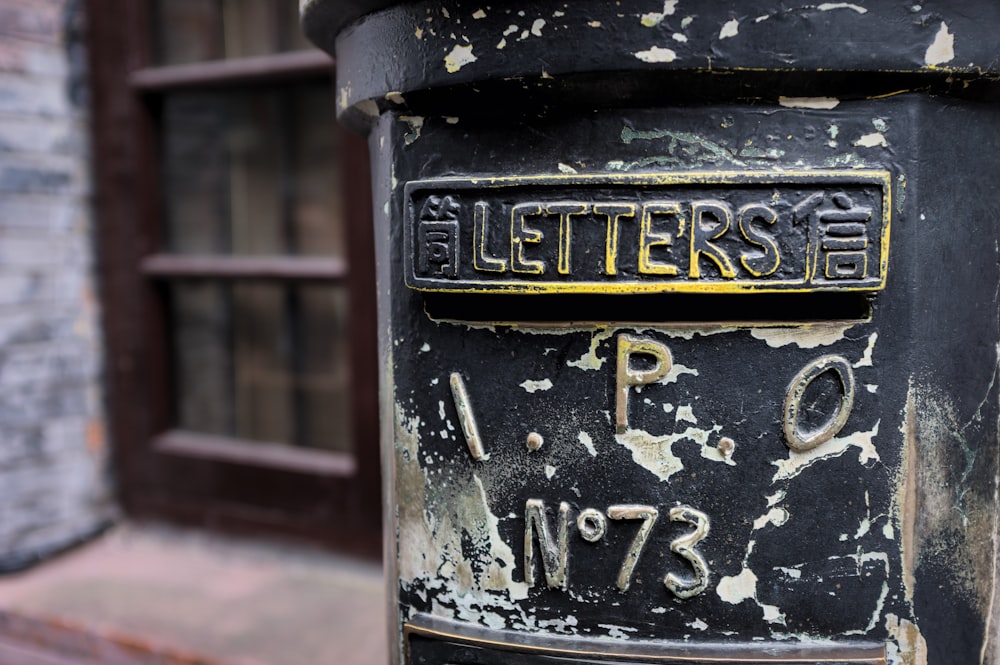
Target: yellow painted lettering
x=649, y=237
x=565, y=210
x=613, y=212
x=767, y=263
x=704, y=231
x=520, y=234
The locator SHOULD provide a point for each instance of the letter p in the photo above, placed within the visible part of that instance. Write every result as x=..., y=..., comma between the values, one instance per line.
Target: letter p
x=628, y=376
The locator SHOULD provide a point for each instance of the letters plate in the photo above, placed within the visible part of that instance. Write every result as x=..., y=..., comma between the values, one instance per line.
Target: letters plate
x=721, y=231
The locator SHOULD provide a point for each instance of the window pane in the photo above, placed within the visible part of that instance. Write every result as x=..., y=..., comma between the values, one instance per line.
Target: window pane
x=199, y=30
x=252, y=172
x=265, y=362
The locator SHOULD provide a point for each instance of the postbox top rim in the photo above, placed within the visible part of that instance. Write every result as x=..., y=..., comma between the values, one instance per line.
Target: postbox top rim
x=388, y=47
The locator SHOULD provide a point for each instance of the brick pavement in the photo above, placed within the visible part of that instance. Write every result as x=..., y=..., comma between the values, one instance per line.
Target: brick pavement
x=147, y=594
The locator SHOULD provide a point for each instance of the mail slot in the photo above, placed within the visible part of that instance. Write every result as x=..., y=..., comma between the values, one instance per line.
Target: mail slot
x=689, y=326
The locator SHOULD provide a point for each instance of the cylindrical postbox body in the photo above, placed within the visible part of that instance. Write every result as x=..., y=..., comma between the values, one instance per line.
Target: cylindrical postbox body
x=689, y=326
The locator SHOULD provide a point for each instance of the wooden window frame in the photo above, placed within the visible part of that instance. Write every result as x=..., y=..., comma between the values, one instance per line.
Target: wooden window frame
x=125, y=93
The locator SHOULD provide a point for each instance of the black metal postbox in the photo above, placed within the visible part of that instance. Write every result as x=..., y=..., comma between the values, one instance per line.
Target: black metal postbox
x=689, y=326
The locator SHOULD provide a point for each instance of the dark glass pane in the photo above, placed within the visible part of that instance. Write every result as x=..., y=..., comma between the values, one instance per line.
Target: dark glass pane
x=202, y=361
x=199, y=30
x=263, y=362
x=252, y=172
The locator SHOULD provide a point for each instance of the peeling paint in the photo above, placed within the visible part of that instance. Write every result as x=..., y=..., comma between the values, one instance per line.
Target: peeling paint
x=775, y=516
x=536, y=27
x=829, y=6
x=432, y=524
x=866, y=357
x=416, y=124
x=735, y=589
x=731, y=28
x=656, y=455
x=873, y=140
x=697, y=624
x=653, y=19
x=590, y=360
x=805, y=337
x=535, y=386
x=809, y=102
x=656, y=54
x=587, y=442
x=368, y=107
x=942, y=49
x=478, y=14
x=460, y=56
x=908, y=646
x=685, y=413
x=835, y=447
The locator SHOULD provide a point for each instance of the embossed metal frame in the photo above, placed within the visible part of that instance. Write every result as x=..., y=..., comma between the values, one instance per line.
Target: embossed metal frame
x=819, y=177
x=671, y=653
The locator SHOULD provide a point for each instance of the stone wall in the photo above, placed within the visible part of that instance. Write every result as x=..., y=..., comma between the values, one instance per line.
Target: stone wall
x=54, y=470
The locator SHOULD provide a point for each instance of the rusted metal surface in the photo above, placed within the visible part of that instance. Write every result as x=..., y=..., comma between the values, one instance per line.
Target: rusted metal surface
x=608, y=427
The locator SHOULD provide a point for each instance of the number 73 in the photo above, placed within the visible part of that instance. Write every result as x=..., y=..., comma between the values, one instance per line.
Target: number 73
x=592, y=526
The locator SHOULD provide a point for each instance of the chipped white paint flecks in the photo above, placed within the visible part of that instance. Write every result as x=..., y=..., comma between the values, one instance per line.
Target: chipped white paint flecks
x=906, y=645
x=460, y=56
x=479, y=583
x=566, y=168
x=585, y=439
x=734, y=589
x=730, y=28
x=809, y=102
x=656, y=455
x=478, y=14
x=652, y=19
x=684, y=412
x=796, y=462
x=942, y=49
x=676, y=371
x=873, y=140
x=775, y=516
x=536, y=27
x=395, y=97
x=550, y=471
x=793, y=573
x=866, y=357
x=697, y=624
x=829, y=6
x=679, y=37
x=425, y=348
x=590, y=360
x=656, y=54
x=534, y=386
x=416, y=123
x=594, y=24
x=805, y=337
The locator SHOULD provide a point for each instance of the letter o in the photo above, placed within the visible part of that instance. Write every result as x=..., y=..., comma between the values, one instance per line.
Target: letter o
x=798, y=440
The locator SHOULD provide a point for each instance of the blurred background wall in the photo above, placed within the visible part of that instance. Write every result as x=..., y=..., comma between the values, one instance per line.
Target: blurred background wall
x=54, y=475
